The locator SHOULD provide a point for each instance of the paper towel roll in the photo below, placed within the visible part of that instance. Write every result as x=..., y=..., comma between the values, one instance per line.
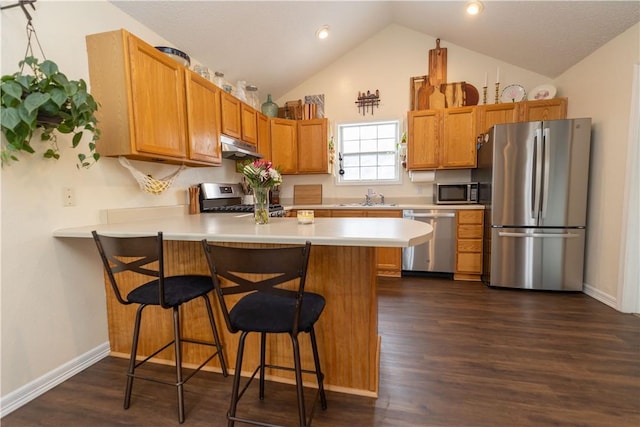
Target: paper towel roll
x=422, y=176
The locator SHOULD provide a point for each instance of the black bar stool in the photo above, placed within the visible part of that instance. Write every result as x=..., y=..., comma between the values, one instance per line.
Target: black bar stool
x=124, y=256
x=266, y=308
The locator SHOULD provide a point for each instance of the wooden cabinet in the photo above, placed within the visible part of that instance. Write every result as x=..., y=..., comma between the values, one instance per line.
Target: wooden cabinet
x=389, y=260
x=144, y=103
x=548, y=109
x=238, y=120
x=249, y=124
x=446, y=138
x=313, y=146
x=459, y=138
x=203, y=125
x=469, y=233
x=300, y=146
x=423, y=139
x=264, y=135
x=442, y=139
x=284, y=147
x=494, y=114
x=230, y=115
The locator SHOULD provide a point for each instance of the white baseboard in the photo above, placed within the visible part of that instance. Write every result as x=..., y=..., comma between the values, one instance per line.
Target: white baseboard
x=35, y=388
x=600, y=296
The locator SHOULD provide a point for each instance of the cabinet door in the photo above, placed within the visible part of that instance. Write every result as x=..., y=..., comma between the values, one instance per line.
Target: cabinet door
x=423, y=139
x=389, y=259
x=495, y=114
x=159, y=107
x=548, y=109
x=284, y=154
x=203, y=99
x=459, y=143
x=249, y=124
x=264, y=135
x=231, y=119
x=313, y=146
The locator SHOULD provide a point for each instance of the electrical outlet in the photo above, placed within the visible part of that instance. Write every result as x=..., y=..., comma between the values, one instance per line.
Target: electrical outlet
x=68, y=196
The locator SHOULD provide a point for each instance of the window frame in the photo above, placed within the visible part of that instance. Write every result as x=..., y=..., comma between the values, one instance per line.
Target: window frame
x=339, y=181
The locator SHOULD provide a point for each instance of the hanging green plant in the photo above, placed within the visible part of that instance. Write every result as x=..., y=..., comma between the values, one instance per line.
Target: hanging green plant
x=47, y=100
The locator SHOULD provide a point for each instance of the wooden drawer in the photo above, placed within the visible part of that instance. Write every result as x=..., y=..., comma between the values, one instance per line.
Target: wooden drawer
x=470, y=216
x=466, y=245
x=470, y=231
x=469, y=263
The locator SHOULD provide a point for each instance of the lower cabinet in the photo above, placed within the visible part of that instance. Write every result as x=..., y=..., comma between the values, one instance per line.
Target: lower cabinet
x=469, y=233
x=389, y=260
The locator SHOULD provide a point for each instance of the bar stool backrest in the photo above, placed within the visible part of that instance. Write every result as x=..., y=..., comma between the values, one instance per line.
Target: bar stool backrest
x=246, y=270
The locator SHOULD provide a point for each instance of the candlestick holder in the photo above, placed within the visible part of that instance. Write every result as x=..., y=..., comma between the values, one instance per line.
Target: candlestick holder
x=497, y=92
x=484, y=94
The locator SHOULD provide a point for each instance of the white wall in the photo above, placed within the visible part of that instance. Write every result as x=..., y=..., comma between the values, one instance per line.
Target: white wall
x=52, y=292
x=600, y=87
x=386, y=62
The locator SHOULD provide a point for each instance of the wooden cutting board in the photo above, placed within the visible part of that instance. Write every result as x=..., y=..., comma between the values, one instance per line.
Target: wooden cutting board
x=307, y=194
x=437, y=65
x=423, y=95
x=437, y=98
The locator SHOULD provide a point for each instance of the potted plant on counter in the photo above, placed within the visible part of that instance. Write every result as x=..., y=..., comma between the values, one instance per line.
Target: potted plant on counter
x=46, y=100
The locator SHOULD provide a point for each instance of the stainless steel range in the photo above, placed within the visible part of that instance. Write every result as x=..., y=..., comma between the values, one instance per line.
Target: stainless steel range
x=216, y=197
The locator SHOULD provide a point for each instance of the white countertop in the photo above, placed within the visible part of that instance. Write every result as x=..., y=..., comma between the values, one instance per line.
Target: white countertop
x=376, y=232
x=399, y=206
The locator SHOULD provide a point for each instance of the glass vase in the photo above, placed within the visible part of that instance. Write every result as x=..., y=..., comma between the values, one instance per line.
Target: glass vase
x=261, y=205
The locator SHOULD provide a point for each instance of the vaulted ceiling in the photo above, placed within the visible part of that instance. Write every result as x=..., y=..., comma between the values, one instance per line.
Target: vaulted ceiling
x=272, y=43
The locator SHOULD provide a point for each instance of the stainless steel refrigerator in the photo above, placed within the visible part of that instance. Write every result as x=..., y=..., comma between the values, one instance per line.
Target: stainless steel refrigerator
x=533, y=182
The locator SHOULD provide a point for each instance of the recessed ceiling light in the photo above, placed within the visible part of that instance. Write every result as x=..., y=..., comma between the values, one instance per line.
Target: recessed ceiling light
x=474, y=7
x=323, y=32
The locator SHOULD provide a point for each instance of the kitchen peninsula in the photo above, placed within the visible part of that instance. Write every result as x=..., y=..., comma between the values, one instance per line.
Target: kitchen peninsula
x=342, y=268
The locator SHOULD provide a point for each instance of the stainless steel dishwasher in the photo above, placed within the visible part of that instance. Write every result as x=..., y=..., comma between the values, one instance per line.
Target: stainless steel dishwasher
x=438, y=254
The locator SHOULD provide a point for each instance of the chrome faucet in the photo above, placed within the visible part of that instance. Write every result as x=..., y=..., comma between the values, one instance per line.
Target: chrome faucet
x=381, y=199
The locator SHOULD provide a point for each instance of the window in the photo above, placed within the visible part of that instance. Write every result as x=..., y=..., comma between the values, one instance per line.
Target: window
x=368, y=152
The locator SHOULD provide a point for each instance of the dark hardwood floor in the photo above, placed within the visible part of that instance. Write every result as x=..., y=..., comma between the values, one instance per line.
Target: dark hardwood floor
x=453, y=354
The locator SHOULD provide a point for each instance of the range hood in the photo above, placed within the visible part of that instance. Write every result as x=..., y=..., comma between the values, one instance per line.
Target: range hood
x=236, y=149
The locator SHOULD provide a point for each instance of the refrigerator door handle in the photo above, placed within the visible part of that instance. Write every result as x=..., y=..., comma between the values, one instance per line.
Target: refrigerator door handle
x=537, y=173
x=546, y=166
x=539, y=235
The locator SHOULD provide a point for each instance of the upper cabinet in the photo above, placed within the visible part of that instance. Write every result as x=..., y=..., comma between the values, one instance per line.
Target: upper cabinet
x=144, y=103
x=230, y=115
x=203, y=125
x=284, y=145
x=264, y=135
x=446, y=138
x=313, y=146
x=238, y=120
x=300, y=146
x=548, y=109
x=442, y=139
x=493, y=114
x=249, y=124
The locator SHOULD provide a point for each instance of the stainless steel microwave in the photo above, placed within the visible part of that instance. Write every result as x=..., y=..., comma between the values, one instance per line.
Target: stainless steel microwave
x=455, y=193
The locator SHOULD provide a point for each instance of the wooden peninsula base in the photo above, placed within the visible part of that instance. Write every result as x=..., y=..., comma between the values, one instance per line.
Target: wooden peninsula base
x=347, y=331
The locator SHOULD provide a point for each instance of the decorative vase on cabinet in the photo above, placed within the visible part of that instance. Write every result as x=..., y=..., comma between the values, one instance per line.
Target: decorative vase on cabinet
x=270, y=108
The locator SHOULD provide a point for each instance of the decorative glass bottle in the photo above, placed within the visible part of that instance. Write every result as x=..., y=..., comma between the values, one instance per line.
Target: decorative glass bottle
x=270, y=108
